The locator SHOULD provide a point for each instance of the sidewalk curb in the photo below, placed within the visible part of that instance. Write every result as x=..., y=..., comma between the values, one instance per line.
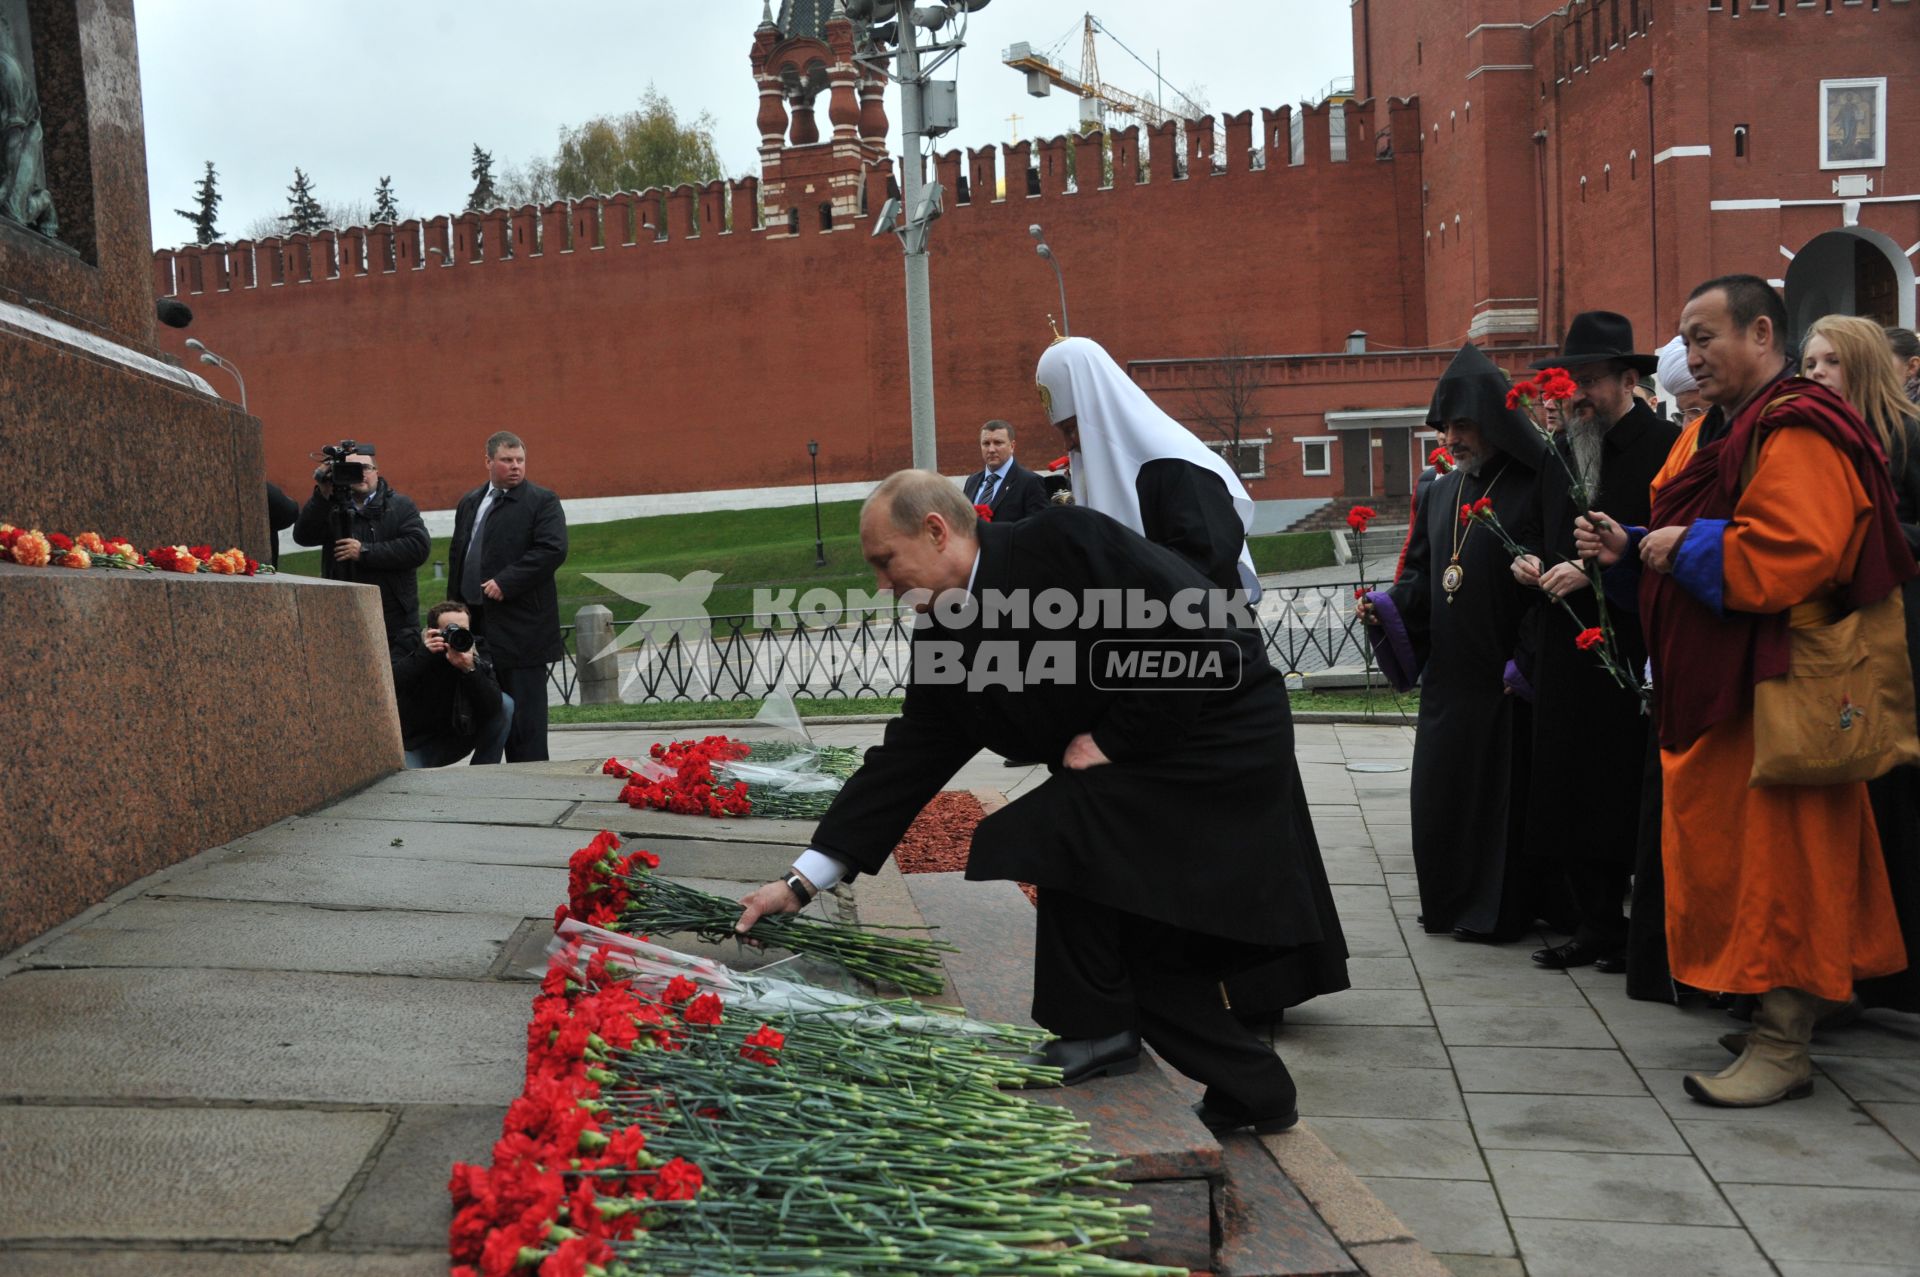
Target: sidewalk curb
x=1371, y=1233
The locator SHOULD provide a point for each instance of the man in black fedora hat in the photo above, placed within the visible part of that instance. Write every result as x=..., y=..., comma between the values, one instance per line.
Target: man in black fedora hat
x=1589, y=735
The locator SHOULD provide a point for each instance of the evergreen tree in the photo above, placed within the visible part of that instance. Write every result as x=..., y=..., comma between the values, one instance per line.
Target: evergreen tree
x=304, y=215
x=206, y=197
x=385, y=211
x=484, y=196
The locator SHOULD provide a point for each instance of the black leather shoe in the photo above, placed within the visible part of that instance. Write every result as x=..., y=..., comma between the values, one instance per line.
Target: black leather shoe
x=1081, y=1058
x=1611, y=964
x=1577, y=953
x=1470, y=936
x=1220, y=1119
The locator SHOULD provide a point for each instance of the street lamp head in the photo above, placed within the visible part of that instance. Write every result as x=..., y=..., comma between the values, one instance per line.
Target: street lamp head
x=210, y=359
x=813, y=447
x=193, y=343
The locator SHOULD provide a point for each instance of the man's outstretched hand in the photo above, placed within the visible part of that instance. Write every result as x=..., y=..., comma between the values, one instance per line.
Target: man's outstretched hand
x=774, y=897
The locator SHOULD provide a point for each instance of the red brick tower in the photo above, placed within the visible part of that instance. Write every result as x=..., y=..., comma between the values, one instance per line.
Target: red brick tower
x=807, y=180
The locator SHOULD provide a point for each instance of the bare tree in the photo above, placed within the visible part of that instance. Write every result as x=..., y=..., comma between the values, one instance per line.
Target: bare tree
x=1221, y=400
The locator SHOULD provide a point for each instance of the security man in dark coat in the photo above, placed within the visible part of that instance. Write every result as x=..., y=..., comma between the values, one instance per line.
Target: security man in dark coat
x=1002, y=484
x=509, y=538
x=1160, y=844
x=1589, y=734
x=382, y=542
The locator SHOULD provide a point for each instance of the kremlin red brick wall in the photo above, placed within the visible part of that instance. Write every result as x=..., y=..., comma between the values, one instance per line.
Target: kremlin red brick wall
x=707, y=360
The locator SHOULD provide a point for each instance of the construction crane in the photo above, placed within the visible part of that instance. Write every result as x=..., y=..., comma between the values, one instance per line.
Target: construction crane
x=1097, y=98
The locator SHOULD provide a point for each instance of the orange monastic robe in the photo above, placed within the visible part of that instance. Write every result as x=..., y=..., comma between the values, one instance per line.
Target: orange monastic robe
x=1782, y=886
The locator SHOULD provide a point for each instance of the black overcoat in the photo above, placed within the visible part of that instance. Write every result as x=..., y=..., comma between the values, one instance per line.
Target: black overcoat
x=1190, y=824
x=1469, y=752
x=1589, y=736
x=525, y=544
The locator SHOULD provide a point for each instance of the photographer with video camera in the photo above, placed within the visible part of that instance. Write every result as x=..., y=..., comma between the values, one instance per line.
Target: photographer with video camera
x=368, y=532
x=450, y=700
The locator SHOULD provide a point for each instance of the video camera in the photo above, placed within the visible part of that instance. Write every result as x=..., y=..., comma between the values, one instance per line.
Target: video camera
x=339, y=471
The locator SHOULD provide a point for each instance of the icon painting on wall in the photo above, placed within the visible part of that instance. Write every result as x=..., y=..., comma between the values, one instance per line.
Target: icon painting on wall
x=1853, y=115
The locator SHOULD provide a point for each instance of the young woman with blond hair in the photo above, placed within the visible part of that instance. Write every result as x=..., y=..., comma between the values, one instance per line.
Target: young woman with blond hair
x=1852, y=358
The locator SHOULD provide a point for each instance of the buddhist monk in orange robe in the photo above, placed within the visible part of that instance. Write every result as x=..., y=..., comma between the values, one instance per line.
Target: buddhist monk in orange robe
x=1771, y=512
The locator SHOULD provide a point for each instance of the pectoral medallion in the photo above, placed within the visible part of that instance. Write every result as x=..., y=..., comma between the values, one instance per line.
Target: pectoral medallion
x=1451, y=579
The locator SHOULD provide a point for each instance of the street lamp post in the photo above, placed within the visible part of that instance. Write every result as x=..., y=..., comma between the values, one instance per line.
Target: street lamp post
x=212, y=360
x=819, y=545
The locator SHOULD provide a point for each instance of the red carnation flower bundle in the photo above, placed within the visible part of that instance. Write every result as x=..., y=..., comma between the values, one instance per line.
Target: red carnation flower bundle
x=1360, y=516
x=719, y=776
x=984, y=511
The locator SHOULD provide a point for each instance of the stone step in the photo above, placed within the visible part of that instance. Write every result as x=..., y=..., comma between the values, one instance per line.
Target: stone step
x=1229, y=1209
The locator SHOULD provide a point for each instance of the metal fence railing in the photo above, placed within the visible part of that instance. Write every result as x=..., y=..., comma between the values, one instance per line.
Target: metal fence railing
x=1307, y=629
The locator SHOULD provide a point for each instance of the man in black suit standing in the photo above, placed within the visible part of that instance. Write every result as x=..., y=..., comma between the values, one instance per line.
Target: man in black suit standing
x=509, y=538
x=1003, y=485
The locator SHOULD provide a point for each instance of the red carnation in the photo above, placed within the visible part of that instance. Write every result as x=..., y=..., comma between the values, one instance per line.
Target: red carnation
x=679, y=990
x=985, y=512
x=1359, y=517
x=1588, y=639
x=704, y=1009
x=678, y=1181
x=761, y=1045
x=1442, y=460
x=60, y=540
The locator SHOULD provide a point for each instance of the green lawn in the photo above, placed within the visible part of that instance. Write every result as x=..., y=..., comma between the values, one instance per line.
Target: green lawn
x=770, y=549
x=1291, y=551
x=1382, y=700
x=751, y=549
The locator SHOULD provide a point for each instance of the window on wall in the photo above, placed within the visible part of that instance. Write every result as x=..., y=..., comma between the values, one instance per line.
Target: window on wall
x=1316, y=456
x=1248, y=457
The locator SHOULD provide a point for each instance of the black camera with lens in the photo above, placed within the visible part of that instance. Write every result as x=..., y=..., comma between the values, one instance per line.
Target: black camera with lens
x=335, y=467
x=459, y=638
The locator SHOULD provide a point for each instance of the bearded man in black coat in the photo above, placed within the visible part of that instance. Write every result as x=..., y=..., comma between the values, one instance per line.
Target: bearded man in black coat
x=1589, y=734
x=1153, y=843
x=1452, y=620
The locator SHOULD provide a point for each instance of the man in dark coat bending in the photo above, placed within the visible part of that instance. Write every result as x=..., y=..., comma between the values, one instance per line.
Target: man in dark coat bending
x=1161, y=845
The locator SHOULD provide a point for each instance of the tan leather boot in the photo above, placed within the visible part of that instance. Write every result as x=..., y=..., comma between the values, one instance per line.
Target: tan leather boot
x=1775, y=1065
x=1833, y=1015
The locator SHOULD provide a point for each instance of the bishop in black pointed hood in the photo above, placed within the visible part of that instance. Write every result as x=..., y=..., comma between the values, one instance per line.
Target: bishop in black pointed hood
x=1474, y=389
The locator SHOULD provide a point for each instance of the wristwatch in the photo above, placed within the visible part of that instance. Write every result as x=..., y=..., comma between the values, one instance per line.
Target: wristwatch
x=798, y=886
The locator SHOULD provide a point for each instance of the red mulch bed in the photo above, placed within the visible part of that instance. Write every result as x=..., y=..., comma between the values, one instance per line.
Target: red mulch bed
x=940, y=835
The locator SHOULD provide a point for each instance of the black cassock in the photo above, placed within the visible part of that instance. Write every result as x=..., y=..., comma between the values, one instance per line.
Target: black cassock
x=1470, y=748
x=1589, y=736
x=1187, y=509
x=1179, y=849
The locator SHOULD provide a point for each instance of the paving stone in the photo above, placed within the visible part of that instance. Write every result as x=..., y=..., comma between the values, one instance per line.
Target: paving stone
x=170, y=1034
x=1266, y=1227
x=1573, y=1123
x=1538, y=1026
x=1634, y=1188
x=1351, y=1090
x=368, y=805
x=1846, y=1270
x=208, y=1263
x=1367, y=938
x=1354, y=1212
x=1398, y=1259
x=1382, y=973
x=126, y=1174
x=1875, y=1034
x=1456, y=1216
x=647, y=824
x=1547, y=1070
x=1403, y=1147
x=1364, y=1006
x=416, y=840
x=1345, y=1045
x=1581, y=1248
x=1481, y=1266
x=1831, y=1225
x=1403, y=884
x=1841, y=1156
x=367, y=882
x=1827, y=1107
x=262, y=937
x=1355, y=899
x=404, y=1200
x=508, y=780
x=1902, y=1122
x=1873, y=1079
x=1527, y=986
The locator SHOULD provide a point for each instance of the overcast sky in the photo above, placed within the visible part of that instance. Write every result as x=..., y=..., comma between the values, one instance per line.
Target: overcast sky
x=351, y=90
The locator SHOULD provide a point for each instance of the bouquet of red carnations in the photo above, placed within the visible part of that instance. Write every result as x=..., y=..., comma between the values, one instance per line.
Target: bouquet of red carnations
x=719, y=776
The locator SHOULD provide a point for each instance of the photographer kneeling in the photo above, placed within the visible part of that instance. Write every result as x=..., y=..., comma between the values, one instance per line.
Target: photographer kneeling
x=367, y=532
x=450, y=702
